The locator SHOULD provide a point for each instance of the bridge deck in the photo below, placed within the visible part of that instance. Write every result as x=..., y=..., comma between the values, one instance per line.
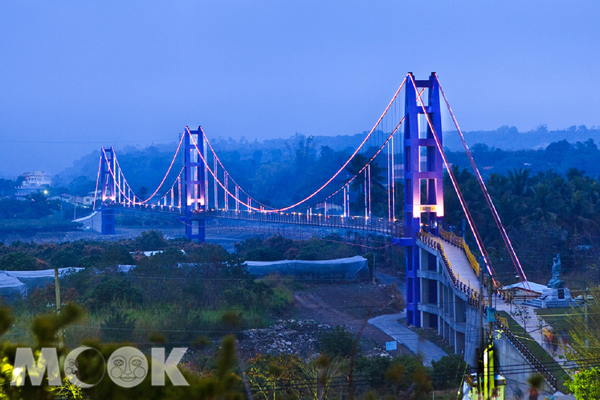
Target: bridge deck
x=460, y=264
x=375, y=225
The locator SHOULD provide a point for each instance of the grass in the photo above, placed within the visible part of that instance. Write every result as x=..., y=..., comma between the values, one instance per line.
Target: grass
x=170, y=321
x=557, y=318
x=431, y=335
x=537, y=350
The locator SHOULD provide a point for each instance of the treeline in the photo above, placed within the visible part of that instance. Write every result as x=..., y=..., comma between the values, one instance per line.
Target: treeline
x=558, y=157
x=509, y=138
x=544, y=213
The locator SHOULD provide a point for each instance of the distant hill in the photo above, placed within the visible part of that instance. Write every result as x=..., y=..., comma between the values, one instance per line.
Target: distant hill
x=495, y=151
x=509, y=137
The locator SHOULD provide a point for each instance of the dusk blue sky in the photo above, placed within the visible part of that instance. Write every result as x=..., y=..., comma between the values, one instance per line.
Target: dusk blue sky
x=75, y=75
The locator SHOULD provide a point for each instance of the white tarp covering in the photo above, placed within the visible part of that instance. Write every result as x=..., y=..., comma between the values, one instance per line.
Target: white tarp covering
x=11, y=286
x=125, y=268
x=353, y=268
x=41, y=278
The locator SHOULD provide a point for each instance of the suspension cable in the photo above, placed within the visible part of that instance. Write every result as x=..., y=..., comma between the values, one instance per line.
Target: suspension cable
x=164, y=177
x=213, y=174
x=454, y=183
x=344, y=165
x=97, y=180
x=488, y=198
x=113, y=176
x=218, y=160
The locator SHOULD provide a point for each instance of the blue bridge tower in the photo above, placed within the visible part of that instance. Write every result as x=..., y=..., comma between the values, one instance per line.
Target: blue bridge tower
x=423, y=185
x=194, y=189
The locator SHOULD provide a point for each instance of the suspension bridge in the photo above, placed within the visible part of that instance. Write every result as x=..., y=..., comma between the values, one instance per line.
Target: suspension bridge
x=443, y=277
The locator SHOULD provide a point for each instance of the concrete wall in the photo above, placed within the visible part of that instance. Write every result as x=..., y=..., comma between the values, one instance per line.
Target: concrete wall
x=446, y=310
x=92, y=221
x=515, y=368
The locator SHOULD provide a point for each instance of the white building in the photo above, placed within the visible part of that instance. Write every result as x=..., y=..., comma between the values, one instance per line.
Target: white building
x=33, y=182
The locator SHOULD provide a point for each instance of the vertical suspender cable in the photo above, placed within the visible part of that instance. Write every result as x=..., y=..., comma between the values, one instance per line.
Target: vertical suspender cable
x=488, y=198
x=97, y=182
x=179, y=190
x=366, y=201
x=393, y=182
x=344, y=201
x=204, y=162
x=216, y=187
x=226, y=196
x=455, y=183
x=389, y=184
x=369, y=186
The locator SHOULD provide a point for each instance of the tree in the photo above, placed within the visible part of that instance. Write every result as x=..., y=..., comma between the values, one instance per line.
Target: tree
x=585, y=385
x=150, y=240
x=336, y=343
x=18, y=261
x=113, y=290
x=450, y=370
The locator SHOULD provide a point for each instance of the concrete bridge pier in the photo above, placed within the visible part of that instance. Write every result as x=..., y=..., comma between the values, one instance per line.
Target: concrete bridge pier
x=108, y=221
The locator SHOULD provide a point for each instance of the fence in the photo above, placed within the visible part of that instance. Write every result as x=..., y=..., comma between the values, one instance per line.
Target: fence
x=460, y=243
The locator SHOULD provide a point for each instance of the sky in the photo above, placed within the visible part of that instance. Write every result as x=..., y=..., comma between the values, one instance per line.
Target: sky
x=77, y=75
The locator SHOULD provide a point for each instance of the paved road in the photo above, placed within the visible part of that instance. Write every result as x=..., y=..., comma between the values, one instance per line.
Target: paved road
x=387, y=279
x=413, y=342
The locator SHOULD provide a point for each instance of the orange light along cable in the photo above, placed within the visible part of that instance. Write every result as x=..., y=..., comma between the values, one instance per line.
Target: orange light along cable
x=97, y=180
x=349, y=159
x=454, y=183
x=213, y=174
x=222, y=166
x=488, y=198
x=113, y=176
x=166, y=175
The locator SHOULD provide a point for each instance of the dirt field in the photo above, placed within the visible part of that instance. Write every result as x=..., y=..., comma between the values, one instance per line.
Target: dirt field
x=349, y=304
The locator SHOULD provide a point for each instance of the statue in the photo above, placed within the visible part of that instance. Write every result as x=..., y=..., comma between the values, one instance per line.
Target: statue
x=555, y=282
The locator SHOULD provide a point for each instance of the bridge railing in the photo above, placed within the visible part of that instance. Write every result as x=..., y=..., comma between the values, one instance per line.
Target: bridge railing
x=377, y=225
x=461, y=244
x=473, y=301
x=472, y=295
x=501, y=324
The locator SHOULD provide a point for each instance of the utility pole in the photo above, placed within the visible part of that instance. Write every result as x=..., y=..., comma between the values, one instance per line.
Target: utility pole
x=57, y=294
x=489, y=301
x=480, y=304
x=587, y=333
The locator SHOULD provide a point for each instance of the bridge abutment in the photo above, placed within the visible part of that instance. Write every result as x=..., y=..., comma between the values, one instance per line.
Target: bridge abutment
x=108, y=221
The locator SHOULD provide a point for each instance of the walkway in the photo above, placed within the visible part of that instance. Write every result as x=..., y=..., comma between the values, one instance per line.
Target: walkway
x=460, y=263
x=416, y=344
x=532, y=327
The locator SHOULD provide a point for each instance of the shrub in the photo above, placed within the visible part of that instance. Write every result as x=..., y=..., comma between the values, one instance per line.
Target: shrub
x=150, y=240
x=448, y=372
x=113, y=290
x=336, y=343
x=118, y=327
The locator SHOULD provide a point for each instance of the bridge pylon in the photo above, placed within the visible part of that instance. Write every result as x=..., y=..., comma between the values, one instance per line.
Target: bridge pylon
x=194, y=189
x=423, y=183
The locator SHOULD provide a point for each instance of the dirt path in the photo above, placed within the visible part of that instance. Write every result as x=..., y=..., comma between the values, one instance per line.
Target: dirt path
x=350, y=305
